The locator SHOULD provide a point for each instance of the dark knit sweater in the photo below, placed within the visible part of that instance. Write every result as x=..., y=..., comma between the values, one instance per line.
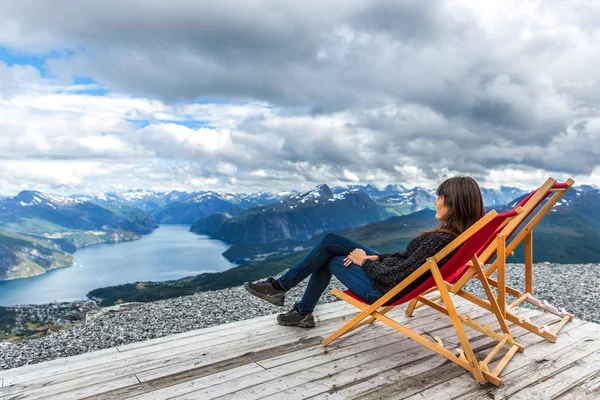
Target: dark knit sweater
x=393, y=268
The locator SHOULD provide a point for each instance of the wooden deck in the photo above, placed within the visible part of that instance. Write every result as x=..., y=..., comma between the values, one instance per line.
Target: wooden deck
x=260, y=359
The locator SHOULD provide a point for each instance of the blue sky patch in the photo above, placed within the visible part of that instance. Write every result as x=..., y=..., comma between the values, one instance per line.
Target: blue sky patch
x=11, y=58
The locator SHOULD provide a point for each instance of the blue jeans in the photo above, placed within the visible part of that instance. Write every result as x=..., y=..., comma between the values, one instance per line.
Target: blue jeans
x=324, y=260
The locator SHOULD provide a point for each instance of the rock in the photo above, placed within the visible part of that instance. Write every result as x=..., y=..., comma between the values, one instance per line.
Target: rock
x=89, y=305
x=59, y=324
x=75, y=315
x=119, y=308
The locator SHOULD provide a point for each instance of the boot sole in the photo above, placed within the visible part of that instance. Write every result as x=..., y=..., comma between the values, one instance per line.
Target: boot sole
x=275, y=301
x=299, y=325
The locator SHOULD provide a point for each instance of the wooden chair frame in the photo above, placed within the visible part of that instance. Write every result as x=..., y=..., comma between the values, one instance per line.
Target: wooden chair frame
x=499, y=266
x=465, y=358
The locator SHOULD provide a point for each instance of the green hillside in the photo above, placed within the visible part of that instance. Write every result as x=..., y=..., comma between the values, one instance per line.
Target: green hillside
x=25, y=255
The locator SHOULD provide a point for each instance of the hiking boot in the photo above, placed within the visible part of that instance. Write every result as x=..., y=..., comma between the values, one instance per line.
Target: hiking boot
x=265, y=290
x=295, y=318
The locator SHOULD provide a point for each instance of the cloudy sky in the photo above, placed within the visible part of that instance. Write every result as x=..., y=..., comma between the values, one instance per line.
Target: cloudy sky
x=274, y=95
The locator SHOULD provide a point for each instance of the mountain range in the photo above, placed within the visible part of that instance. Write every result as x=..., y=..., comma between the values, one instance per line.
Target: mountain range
x=570, y=233
x=41, y=213
x=299, y=217
x=575, y=216
x=177, y=207
x=279, y=221
x=39, y=231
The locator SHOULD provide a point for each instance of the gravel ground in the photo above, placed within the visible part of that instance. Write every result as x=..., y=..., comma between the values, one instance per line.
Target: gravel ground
x=573, y=287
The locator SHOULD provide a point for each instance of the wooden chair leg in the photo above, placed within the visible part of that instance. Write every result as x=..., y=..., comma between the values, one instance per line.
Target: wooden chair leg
x=415, y=303
x=501, y=272
x=488, y=291
x=412, y=305
x=529, y=263
x=372, y=319
x=462, y=337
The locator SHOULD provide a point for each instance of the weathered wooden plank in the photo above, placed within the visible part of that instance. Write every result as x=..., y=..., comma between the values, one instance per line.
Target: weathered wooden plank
x=550, y=358
x=317, y=350
x=224, y=329
x=350, y=384
x=285, y=330
x=111, y=374
x=590, y=389
x=94, y=377
x=56, y=363
x=82, y=368
x=200, y=372
x=113, y=355
x=436, y=373
x=329, y=362
x=321, y=364
x=424, y=374
x=184, y=359
x=85, y=392
x=538, y=360
x=430, y=321
x=200, y=383
x=550, y=386
x=175, y=370
x=407, y=380
x=368, y=333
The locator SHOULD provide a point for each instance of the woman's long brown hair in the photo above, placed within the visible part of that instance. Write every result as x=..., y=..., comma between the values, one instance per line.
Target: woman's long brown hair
x=462, y=197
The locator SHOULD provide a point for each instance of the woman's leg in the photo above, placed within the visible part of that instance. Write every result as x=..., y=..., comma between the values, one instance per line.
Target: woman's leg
x=353, y=277
x=316, y=260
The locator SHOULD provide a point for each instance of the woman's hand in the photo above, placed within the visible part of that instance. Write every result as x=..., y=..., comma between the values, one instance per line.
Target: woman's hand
x=356, y=256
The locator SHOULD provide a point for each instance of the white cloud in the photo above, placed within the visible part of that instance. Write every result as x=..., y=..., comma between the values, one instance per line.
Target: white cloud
x=226, y=169
x=351, y=176
x=506, y=92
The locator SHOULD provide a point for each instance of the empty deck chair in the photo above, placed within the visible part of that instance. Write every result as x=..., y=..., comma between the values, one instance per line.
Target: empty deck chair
x=529, y=204
x=481, y=234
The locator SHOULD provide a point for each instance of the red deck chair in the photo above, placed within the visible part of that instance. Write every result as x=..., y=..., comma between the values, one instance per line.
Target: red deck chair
x=481, y=234
x=529, y=204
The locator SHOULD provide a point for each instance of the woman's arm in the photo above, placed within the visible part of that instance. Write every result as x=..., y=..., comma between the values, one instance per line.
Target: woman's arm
x=395, y=273
x=396, y=254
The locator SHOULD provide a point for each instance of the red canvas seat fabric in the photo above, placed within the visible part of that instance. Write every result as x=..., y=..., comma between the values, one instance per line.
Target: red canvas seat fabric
x=457, y=265
x=558, y=185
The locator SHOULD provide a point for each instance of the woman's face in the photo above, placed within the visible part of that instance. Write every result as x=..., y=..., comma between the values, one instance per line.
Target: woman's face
x=440, y=208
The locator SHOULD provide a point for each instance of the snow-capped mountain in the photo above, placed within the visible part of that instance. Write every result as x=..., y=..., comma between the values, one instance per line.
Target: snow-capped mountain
x=32, y=198
x=179, y=207
x=37, y=212
x=372, y=190
x=301, y=216
x=418, y=198
x=399, y=200
x=501, y=196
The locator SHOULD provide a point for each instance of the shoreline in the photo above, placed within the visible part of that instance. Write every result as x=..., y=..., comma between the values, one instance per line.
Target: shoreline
x=128, y=237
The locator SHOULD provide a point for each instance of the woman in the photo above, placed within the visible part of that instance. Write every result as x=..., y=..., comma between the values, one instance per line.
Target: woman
x=366, y=273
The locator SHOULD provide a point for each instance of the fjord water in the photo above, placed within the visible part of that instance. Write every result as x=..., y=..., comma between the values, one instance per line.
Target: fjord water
x=170, y=252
